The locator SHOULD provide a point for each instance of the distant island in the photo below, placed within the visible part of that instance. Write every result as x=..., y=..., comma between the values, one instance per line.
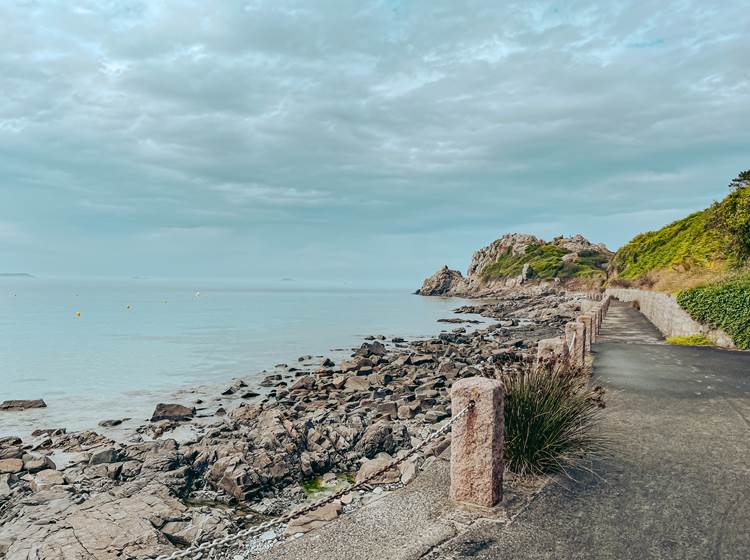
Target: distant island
x=15, y=275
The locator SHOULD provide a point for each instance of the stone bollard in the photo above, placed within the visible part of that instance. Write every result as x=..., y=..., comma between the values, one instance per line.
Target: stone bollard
x=588, y=324
x=552, y=351
x=477, y=442
x=575, y=333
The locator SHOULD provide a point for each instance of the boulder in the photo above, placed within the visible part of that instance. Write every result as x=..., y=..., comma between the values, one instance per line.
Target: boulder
x=103, y=456
x=373, y=465
x=11, y=466
x=166, y=411
x=46, y=479
x=22, y=404
x=378, y=437
x=36, y=463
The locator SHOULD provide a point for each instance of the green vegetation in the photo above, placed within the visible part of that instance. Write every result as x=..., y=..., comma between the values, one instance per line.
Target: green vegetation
x=688, y=242
x=312, y=486
x=692, y=340
x=550, y=421
x=546, y=262
x=698, y=248
x=724, y=305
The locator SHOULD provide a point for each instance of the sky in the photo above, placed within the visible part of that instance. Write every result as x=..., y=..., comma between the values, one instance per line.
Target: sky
x=364, y=143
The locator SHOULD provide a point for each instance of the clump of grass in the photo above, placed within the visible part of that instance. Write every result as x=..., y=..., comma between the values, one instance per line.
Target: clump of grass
x=692, y=340
x=551, y=421
x=312, y=486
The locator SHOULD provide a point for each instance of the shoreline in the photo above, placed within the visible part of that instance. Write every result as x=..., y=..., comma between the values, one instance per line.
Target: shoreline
x=56, y=416
x=321, y=419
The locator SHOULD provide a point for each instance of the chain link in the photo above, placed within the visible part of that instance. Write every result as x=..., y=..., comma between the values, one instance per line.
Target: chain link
x=286, y=518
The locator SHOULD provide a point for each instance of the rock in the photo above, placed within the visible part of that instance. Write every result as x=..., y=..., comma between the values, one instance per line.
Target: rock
x=22, y=404
x=354, y=384
x=314, y=519
x=46, y=479
x=373, y=465
x=166, y=411
x=11, y=466
x=408, y=471
x=444, y=282
x=249, y=395
x=328, y=362
x=4, y=489
x=419, y=359
x=378, y=437
x=433, y=416
x=34, y=463
x=371, y=349
x=306, y=383
x=103, y=456
x=110, y=423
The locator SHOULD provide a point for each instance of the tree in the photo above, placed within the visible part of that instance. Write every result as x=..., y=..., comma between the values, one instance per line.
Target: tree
x=741, y=181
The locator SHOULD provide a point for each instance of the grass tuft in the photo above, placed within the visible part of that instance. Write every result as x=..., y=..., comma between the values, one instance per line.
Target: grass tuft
x=550, y=421
x=692, y=340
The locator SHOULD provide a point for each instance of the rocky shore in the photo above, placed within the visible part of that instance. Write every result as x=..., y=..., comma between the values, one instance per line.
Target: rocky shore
x=179, y=480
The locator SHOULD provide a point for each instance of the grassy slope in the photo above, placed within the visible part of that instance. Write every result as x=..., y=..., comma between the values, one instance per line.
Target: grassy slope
x=692, y=251
x=703, y=258
x=546, y=262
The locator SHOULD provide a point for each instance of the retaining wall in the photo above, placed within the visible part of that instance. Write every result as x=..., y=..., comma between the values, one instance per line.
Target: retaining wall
x=665, y=313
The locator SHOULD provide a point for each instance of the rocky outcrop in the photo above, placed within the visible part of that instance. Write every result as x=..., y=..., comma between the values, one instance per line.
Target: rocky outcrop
x=516, y=246
x=444, y=282
x=516, y=243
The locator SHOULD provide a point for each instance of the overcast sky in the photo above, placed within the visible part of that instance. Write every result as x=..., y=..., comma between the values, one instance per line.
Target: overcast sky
x=360, y=142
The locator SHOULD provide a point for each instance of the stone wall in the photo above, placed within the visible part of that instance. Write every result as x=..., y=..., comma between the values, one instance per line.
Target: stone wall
x=664, y=312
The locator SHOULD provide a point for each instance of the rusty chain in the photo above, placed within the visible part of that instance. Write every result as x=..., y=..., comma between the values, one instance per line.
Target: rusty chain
x=286, y=518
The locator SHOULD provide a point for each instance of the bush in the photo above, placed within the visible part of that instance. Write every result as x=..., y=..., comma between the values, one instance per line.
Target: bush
x=692, y=340
x=724, y=305
x=550, y=421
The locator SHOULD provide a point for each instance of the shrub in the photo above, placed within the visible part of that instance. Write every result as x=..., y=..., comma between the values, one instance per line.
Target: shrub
x=550, y=421
x=723, y=305
x=692, y=340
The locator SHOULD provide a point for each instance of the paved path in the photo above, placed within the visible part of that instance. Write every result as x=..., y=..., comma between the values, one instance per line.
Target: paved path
x=676, y=486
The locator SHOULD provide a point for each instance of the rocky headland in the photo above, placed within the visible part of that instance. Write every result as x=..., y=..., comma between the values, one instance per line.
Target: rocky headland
x=516, y=259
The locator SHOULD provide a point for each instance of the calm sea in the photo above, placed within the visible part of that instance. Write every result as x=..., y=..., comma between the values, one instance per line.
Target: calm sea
x=138, y=342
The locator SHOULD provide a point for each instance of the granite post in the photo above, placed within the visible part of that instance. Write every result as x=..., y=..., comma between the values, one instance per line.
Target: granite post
x=477, y=442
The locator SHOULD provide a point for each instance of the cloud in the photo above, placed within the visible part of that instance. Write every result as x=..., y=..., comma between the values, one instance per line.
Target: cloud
x=340, y=124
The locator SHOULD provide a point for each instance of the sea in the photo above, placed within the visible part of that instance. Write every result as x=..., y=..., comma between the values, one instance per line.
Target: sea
x=97, y=349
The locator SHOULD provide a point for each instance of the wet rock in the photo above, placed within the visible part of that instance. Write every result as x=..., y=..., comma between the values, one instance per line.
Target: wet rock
x=110, y=423
x=22, y=404
x=165, y=411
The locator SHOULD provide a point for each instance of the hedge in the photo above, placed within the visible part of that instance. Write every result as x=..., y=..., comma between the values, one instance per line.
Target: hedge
x=724, y=305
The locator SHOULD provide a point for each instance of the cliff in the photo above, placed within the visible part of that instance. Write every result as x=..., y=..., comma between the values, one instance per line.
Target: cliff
x=518, y=258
